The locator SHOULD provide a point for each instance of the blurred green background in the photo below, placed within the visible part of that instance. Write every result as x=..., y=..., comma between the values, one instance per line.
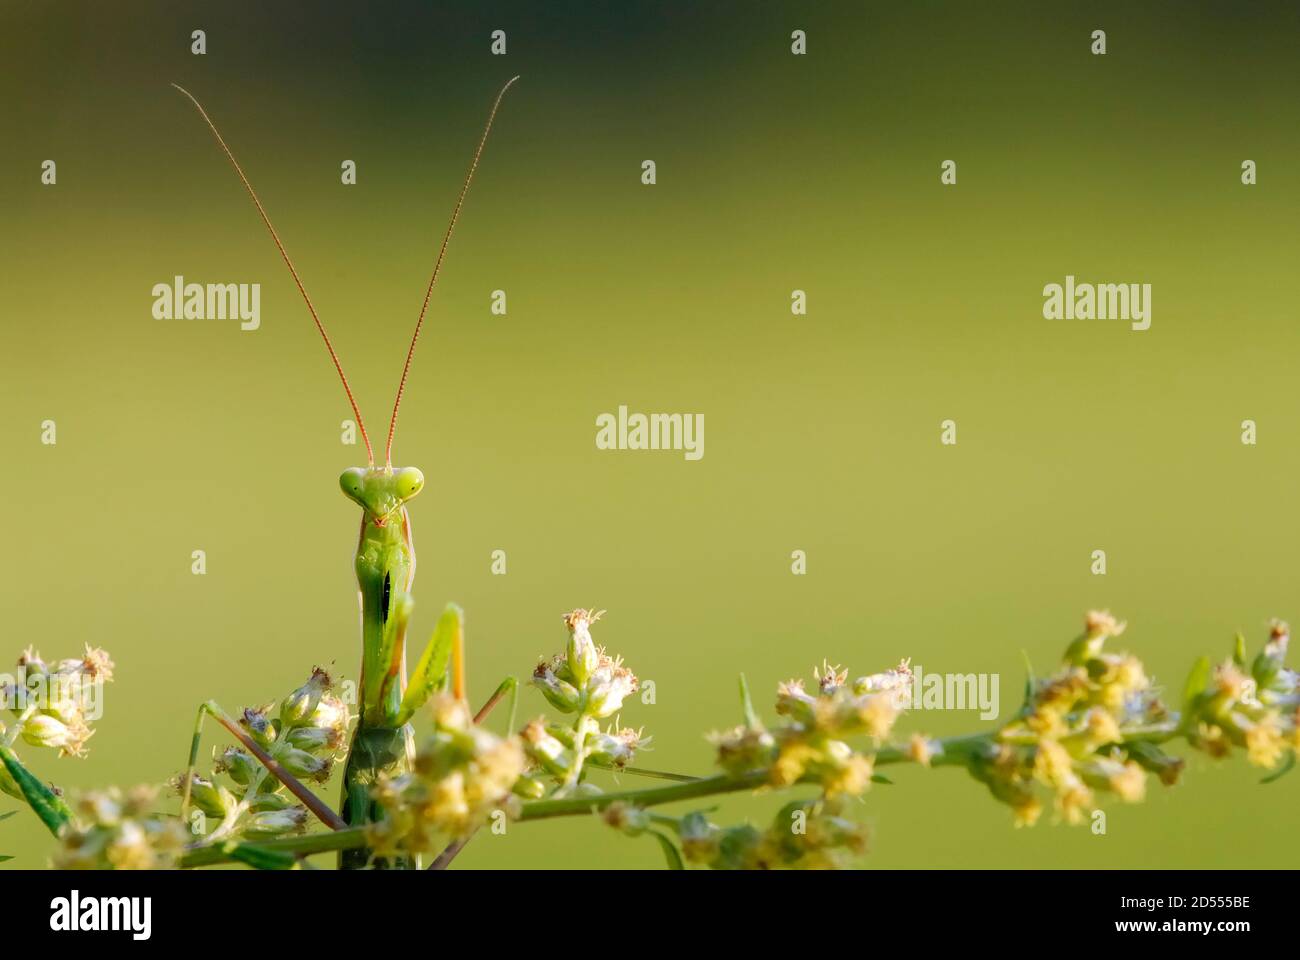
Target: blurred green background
x=775, y=172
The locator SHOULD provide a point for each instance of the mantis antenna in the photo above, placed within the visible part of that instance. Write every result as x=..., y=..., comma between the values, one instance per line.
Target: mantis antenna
x=370, y=454
x=437, y=266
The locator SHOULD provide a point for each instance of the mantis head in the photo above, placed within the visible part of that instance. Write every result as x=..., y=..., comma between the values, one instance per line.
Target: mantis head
x=381, y=491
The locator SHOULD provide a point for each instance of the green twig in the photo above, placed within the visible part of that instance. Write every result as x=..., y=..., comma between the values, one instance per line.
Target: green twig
x=643, y=772
x=653, y=796
x=350, y=838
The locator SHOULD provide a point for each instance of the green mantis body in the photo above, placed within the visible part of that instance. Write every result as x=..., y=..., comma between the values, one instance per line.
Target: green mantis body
x=385, y=568
x=385, y=565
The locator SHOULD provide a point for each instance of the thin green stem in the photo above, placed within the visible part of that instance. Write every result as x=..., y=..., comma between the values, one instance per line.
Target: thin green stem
x=643, y=772
x=350, y=838
x=1151, y=733
x=652, y=796
x=954, y=752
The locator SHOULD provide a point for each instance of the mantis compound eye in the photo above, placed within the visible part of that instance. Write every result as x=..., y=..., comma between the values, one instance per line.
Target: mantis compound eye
x=352, y=482
x=408, y=483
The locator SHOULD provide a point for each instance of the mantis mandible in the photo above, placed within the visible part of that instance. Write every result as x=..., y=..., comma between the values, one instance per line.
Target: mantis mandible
x=385, y=568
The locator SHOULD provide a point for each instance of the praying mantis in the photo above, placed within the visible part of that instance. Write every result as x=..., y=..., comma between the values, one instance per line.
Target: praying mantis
x=385, y=567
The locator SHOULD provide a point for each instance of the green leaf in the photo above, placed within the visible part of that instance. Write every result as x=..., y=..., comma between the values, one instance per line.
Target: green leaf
x=670, y=851
x=1267, y=665
x=3, y=859
x=1029, y=682
x=431, y=672
x=1239, y=651
x=1287, y=766
x=260, y=858
x=747, y=705
x=47, y=805
x=1197, y=681
x=881, y=778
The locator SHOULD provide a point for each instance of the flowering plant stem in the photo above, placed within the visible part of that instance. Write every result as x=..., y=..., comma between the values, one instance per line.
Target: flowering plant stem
x=956, y=751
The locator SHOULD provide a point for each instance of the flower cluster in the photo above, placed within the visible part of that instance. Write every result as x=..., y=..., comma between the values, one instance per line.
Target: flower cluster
x=811, y=744
x=117, y=831
x=461, y=776
x=54, y=703
x=588, y=684
x=304, y=736
x=1257, y=709
x=1085, y=730
x=804, y=835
